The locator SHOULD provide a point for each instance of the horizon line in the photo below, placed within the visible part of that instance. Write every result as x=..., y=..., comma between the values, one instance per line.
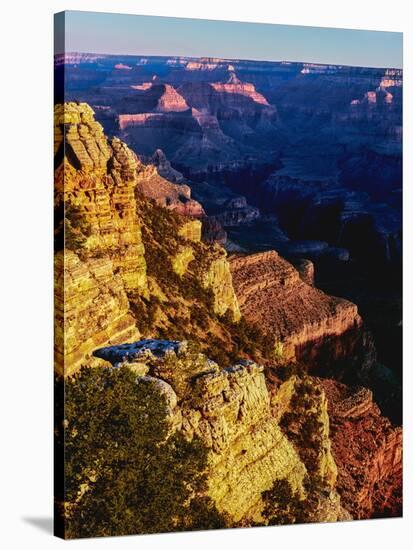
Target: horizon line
x=101, y=32
x=250, y=59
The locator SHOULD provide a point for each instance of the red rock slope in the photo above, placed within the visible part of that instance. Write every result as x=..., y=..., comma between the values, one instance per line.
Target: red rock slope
x=367, y=450
x=272, y=295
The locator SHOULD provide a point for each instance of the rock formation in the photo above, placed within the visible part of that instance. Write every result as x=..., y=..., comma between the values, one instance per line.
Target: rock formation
x=306, y=270
x=174, y=196
x=94, y=191
x=238, y=116
x=238, y=420
x=217, y=277
x=103, y=286
x=367, y=450
x=134, y=280
x=91, y=308
x=164, y=167
x=95, y=183
x=235, y=212
x=170, y=100
x=272, y=295
x=239, y=88
x=231, y=411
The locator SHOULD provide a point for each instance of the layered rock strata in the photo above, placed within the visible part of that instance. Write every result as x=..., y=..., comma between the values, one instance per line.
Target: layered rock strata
x=272, y=295
x=95, y=186
x=230, y=410
x=104, y=260
x=174, y=196
x=171, y=100
x=368, y=451
x=237, y=419
x=240, y=88
x=103, y=291
x=91, y=309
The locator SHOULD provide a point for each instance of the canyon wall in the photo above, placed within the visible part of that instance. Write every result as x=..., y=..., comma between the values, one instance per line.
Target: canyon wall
x=272, y=295
x=103, y=260
x=238, y=420
x=130, y=269
x=91, y=309
x=104, y=291
x=367, y=450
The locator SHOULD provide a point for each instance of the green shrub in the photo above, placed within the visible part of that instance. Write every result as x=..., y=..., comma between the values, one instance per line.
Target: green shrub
x=302, y=424
x=281, y=505
x=124, y=472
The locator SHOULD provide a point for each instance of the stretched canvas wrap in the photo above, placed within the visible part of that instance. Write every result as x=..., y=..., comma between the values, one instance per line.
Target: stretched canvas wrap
x=227, y=274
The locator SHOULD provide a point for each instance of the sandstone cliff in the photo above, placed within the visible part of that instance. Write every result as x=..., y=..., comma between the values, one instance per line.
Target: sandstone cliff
x=91, y=308
x=272, y=294
x=108, y=287
x=238, y=420
x=94, y=186
x=96, y=220
x=174, y=196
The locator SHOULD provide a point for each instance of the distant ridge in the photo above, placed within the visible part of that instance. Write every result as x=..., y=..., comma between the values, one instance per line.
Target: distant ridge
x=91, y=57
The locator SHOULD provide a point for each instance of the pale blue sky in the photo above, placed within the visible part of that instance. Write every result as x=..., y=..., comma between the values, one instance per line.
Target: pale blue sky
x=147, y=35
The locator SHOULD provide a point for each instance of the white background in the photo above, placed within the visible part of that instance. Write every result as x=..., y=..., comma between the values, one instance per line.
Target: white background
x=26, y=186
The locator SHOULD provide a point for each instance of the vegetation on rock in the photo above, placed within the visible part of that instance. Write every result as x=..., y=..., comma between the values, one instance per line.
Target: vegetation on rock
x=228, y=429
x=125, y=471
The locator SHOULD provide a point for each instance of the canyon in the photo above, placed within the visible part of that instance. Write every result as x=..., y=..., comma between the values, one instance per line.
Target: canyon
x=155, y=273
x=300, y=158
x=351, y=412
x=102, y=195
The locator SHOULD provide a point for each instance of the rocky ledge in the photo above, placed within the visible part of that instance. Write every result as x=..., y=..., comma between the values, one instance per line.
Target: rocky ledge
x=171, y=195
x=272, y=294
x=238, y=420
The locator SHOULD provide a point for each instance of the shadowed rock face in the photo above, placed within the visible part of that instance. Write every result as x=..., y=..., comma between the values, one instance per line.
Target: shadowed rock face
x=346, y=218
x=306, y=270
x=165, y=168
